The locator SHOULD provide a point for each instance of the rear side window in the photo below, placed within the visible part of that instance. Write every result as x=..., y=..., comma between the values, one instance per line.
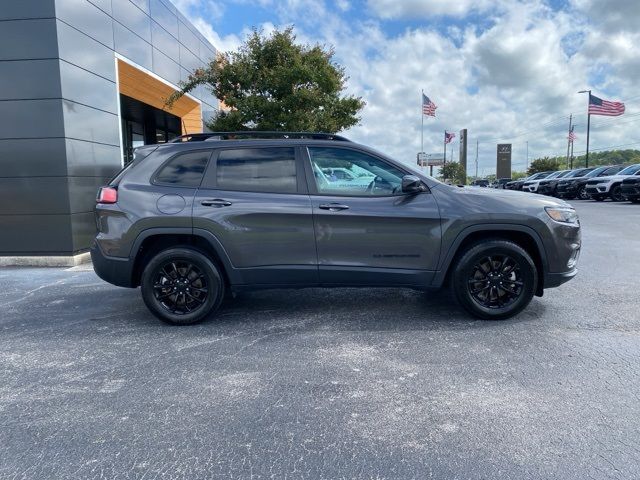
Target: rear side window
x=270, y=170
x=184, y=170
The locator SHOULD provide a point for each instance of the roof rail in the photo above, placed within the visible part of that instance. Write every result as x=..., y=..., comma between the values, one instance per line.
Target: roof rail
x=256, y=134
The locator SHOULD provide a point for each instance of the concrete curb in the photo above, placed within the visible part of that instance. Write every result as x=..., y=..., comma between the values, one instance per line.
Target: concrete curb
x=53, y=261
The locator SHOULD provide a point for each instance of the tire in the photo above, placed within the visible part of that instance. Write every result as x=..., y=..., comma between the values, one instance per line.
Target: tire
x=197, y=281
x=634, y=199
x=582, y=193
x=473, y=280
x=616, y=194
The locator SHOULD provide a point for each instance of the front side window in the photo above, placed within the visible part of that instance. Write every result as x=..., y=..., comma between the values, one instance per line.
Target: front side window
x=339, y=171
x=184, y=170
x=270, y=170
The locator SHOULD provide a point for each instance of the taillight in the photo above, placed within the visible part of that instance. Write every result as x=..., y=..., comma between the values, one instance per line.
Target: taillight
x=107, y=195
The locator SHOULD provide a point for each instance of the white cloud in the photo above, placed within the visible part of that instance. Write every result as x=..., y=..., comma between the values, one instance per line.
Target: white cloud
x=427, y=8
x=514, y=79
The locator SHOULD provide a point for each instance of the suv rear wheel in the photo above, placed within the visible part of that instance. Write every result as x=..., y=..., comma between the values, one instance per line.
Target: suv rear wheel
x=494, y=279
x=181, y=286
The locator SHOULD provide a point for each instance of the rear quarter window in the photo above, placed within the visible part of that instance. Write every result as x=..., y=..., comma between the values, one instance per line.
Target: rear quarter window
x=184, y=170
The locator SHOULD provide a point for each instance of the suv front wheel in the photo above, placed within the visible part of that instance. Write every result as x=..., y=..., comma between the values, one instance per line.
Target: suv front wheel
x=494, y=279
x=181, y=286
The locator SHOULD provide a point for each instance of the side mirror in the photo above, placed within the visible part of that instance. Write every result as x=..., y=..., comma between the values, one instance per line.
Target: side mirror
x=412, y=184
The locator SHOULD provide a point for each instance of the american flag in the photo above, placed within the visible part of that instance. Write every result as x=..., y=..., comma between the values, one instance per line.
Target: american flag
x=598, y=106
x=428, y=107
x=572, y=136
x=448, y=136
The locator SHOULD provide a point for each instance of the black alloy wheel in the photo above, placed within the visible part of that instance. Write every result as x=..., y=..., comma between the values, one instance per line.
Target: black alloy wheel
x=616, y=194
x=582, y=193
x=181, y=286
x=494, y=279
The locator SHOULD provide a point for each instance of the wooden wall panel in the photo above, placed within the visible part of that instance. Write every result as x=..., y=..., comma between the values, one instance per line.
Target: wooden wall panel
x=143, y=87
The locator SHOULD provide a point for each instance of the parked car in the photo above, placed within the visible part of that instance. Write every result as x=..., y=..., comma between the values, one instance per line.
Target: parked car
x=192, y=219
x=548, y=185
x=517, y=184
x=481, y=182
x=532, y=185
x=500, y=182
x=631, y=188
x=568, y=186
x=611, y=186
x=581, y=185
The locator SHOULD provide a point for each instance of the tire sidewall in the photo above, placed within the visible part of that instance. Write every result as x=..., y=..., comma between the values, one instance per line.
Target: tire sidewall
x=616, y=194
x=213, y=277
x=474, y=254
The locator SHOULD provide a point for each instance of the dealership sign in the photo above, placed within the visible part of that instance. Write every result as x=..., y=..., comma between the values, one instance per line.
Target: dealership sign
x=430, y=159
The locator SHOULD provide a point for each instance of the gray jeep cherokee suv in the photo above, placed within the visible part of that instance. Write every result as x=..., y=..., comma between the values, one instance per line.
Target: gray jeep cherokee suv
x=191, y=220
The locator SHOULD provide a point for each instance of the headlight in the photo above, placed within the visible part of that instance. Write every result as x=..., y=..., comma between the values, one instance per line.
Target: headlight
x=562, y=214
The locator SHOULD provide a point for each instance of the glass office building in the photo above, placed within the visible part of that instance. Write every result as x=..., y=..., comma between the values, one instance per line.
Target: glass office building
x=82, y=83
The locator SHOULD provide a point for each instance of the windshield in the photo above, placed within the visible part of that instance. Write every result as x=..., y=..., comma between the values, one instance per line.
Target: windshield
x=580, y=173
x=630, y=170
x=564, y=174
x=610, y=171
x=537, y=176
x=555, y=175
x=595, y=172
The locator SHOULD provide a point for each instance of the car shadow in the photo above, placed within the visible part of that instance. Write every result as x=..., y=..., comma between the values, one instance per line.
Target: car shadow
x=360, y=309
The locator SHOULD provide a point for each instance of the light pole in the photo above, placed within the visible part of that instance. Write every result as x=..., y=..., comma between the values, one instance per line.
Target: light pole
x=586, y=158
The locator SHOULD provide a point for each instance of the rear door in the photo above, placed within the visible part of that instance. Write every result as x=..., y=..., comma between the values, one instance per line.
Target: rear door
x=254, y=200
x=367, y=230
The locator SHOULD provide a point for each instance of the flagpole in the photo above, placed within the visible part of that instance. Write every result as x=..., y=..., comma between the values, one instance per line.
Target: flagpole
x=586, y=158
x=422, y=122
x=444, y=161
x=569, y=139
x=571, y=165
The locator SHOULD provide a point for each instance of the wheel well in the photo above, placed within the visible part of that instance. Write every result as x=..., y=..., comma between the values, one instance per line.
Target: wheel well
x=522, y=239
x=154, y=244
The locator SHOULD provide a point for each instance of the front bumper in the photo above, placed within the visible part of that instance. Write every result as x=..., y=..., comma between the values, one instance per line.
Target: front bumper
x=115, y=270
x=567, y=190
x=552, y=280
x=545, y=189
x=597, y=189
x=631, y=191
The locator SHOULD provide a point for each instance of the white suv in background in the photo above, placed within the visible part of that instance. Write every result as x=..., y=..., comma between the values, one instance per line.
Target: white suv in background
x=532, y=185
x=603, y=187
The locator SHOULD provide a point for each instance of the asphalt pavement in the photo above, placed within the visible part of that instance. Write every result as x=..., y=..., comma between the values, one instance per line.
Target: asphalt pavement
x=376, y=383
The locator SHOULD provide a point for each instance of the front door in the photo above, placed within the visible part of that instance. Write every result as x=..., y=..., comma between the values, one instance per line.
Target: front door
x=255, y=202
x=367, y=230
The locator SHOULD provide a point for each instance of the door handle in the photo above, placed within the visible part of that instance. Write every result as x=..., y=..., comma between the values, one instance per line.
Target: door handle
x=215, y=202
x=333, y=207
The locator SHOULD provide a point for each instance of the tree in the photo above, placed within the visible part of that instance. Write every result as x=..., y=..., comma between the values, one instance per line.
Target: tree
x=454, y=172
x=272, y=83
x=542, y=165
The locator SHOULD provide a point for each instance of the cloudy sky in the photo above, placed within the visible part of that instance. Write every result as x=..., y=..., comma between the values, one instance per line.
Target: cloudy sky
x=507, y=70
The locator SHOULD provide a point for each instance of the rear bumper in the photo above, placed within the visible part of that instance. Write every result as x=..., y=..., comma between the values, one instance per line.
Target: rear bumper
x=115, y=270
x=552, y=280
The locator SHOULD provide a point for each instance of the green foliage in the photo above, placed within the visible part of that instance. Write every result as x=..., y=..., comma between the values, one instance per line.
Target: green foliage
x=518, y=175
x=453, y=171
x=609, y=157
x=543, y=165
x=272, y=83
